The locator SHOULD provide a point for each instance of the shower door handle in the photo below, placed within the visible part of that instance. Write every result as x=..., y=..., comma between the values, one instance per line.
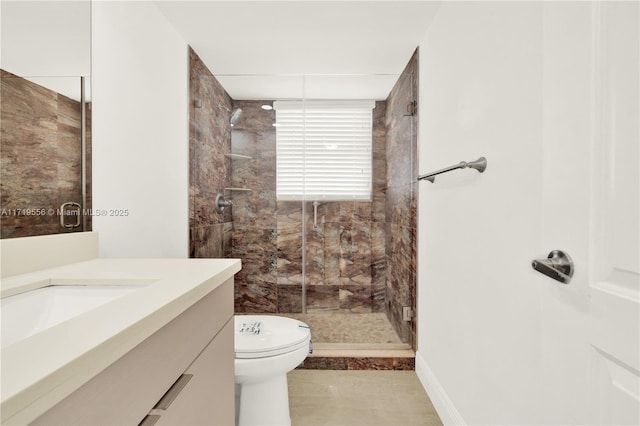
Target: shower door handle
x=70, y=207
x=558, y=265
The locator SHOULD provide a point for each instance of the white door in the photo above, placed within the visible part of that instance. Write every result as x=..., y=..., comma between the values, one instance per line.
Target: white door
x=614, y=288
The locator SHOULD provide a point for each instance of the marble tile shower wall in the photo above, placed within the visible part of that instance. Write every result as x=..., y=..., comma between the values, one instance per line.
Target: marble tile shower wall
x=209, y=162
x=345, y=252
x=401, y=184
x=362, y=255
x=41, y=156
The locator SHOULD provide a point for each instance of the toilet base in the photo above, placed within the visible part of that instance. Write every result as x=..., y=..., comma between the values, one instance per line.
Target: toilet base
x=263, y=402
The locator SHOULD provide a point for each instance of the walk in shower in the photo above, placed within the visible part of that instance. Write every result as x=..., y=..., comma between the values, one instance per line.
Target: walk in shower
x=345, y=264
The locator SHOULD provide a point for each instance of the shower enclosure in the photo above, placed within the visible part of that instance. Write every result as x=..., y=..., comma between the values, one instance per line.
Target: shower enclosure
x=344, y=266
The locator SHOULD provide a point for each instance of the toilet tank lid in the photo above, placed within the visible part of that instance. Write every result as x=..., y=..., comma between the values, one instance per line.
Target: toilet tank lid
x=266, y=333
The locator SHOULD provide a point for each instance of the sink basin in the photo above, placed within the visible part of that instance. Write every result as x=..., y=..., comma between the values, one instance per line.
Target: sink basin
x=31, y=312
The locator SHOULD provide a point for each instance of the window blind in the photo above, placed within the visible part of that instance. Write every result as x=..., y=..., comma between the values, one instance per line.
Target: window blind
x=324, y=150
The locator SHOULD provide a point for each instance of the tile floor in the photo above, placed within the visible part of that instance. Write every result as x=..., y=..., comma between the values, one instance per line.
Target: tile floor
x=349, y=328
x=342, y=398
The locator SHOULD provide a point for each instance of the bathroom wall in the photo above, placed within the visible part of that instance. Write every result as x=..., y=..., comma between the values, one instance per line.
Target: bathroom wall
x=140, y=94
x=41, y=156
x=209, y=162
x=345, y=257
x=401, y=191
x=500, y=343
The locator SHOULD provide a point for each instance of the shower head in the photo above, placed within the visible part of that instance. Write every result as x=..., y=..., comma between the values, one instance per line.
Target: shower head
x=235, y=116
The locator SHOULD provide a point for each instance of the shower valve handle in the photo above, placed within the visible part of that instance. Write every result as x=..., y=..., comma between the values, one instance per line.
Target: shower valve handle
x=221, y=203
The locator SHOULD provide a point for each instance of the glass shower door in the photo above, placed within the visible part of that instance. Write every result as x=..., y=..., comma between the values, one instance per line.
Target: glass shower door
x=346, y=238
x=267, y=231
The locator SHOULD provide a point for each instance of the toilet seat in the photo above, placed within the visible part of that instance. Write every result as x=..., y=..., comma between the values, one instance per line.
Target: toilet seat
x=261, y=336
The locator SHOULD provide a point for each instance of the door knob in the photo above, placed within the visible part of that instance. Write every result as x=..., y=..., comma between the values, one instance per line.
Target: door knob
x=558, y=265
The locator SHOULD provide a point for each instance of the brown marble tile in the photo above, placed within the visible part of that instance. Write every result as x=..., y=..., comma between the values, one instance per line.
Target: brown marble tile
x=322, y=298
x=290, y=298
x=378, y=296
x=324, y=363
x=315, y=267
x=251, y=297
x=257, y=249
x=69, y=143
x=40, y=156
x=227, y=239
x=355, y=298
x=254, y=118
x=289, y=263
x=209, y=241
x=378, y=202
x=88, y=164
x=362, y=212
x=209, y=163
x=338, y=363
x=401, y=128
x=381, y=364
x=332, y=262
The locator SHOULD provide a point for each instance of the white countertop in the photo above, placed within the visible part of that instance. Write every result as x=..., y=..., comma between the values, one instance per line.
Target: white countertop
x=41, y=370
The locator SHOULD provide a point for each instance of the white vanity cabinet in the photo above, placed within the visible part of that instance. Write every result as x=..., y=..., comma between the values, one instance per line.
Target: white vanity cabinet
x=202, y=401
x=145, y=385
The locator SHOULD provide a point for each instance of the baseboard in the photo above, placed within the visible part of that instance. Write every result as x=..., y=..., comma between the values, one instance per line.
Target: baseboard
x=439, y=398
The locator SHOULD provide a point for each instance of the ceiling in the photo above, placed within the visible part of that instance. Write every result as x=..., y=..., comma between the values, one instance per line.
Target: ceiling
x=257, y=49
x=290, y=49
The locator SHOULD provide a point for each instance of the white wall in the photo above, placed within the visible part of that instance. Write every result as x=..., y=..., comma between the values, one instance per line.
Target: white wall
x=140, y=131
x=499, y=343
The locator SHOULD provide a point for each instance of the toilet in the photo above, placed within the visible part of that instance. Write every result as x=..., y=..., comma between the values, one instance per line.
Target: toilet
x=266, y=348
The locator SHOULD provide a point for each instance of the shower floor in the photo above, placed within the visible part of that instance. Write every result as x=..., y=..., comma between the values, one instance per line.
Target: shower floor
x=354, y=342
x=371, y=328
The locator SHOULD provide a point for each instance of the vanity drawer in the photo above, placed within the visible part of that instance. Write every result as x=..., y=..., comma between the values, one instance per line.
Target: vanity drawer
x=207, y=398
x=124, y=393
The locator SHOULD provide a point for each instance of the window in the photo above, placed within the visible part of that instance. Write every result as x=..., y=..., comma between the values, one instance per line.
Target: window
x=324, y=150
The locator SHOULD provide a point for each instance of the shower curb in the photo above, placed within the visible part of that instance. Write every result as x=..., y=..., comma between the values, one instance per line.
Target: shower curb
x=352, y=360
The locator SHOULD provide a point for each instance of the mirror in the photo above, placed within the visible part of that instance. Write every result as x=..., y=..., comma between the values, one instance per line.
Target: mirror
x=45, y=116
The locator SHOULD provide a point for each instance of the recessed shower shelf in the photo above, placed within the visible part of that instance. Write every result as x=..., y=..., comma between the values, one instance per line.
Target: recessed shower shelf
x=238, y=189
x=239, y=156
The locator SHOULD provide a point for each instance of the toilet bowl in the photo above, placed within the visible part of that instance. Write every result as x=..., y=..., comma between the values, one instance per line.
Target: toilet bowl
x=266, y=349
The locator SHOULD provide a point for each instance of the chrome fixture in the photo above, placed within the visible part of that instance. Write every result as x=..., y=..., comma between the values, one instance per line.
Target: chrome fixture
x=558, y=265
x=221, y=203
x=480, y=165
x=235, y=116
x=411, y=108
x=70, y=209
x=315, y=214
x=407, y=313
